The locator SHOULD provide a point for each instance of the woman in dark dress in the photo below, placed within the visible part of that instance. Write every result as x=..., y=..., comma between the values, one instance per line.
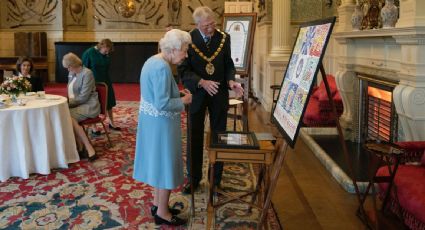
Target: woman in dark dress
x=98, y=60
x=24, y=67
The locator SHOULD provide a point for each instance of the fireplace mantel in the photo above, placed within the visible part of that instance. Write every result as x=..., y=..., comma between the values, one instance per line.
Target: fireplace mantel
x=380, y=33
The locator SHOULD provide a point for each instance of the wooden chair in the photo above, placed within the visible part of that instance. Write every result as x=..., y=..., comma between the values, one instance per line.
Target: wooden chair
x=102, y=92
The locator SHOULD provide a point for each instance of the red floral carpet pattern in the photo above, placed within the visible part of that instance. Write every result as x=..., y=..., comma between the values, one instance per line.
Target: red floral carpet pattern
x=103, y=195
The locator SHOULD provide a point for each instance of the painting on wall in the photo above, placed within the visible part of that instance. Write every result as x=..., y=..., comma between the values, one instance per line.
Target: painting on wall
x=306, y=57
x=24, y=14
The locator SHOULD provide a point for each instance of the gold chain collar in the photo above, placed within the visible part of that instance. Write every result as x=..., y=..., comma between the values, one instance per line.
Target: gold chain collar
x=210, y=67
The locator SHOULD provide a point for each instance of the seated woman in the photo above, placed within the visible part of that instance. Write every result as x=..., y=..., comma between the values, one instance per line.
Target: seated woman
x=24, y=67
x=82, y=98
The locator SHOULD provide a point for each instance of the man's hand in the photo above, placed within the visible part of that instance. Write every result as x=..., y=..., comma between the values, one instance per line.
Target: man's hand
x=236, y=87
x=210, y=86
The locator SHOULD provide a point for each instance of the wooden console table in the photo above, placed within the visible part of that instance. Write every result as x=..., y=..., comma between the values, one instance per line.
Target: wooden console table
x=263, y=156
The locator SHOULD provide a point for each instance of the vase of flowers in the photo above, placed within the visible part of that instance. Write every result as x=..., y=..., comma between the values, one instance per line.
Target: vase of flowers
x=14, y=86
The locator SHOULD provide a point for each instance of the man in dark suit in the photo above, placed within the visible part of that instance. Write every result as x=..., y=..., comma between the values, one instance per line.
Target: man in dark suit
x=208, y=72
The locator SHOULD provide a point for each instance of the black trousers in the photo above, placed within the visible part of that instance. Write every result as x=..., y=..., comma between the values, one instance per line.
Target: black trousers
x=218, y=120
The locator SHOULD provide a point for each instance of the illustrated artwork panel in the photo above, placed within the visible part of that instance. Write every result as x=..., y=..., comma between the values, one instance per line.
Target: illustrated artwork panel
x=301, y=72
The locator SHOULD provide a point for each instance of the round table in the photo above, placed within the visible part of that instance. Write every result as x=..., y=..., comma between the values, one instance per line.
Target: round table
x=36, y=137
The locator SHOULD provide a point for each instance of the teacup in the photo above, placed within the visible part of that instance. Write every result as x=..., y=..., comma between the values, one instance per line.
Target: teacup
x=41, y=94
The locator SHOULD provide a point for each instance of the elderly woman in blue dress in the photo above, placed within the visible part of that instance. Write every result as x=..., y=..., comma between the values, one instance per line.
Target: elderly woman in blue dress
x=83, y=100
x=158, y=161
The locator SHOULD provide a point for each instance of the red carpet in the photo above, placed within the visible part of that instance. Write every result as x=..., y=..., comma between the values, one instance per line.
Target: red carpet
x=127, y=92
x=123, y=91
x=103, y=194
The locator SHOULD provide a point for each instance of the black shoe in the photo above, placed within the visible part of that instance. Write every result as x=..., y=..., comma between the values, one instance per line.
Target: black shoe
x=175, y=221
x=173, y=211
x=186, y=189
x=83, y=154
x=114, y=128
x=93, y=158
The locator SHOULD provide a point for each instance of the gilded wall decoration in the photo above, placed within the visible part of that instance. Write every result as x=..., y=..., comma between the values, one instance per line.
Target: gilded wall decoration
x=128, y=13
x=76, y=12
x=30, y=13
x=83, y=15
x=174, y=12
x=150, y=14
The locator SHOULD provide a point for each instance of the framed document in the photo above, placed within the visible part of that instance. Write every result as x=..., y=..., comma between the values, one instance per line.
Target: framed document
x=240, y=27
x=234, y=140
x=304, y=64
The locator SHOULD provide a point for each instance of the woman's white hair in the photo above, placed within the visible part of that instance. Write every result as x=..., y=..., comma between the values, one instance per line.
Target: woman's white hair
x=71, y=60
x=174, y=39
x=201, y=13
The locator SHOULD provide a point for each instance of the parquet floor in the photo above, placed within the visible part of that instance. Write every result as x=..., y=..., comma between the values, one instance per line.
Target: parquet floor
x=306, y=196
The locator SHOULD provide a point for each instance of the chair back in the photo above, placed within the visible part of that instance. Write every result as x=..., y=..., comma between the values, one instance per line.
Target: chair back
x=102, y=93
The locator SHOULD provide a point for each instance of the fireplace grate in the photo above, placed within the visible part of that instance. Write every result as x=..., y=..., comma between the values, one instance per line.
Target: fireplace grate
x=379, y=118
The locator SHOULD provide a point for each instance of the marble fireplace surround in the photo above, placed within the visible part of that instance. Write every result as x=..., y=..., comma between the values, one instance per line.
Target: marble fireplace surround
x=396, y=54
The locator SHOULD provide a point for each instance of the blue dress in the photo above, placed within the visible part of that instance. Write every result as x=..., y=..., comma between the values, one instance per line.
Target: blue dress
x=158, y=158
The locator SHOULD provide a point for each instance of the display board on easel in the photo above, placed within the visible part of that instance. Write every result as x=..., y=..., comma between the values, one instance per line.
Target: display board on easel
x=306, y=58
x=241, y=28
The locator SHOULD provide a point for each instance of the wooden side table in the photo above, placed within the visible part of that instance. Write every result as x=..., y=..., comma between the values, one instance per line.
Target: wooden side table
x=263, y=156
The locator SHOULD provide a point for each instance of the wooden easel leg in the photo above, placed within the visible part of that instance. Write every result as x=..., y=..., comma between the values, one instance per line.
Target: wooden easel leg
x=269, y=188
x=341, y=139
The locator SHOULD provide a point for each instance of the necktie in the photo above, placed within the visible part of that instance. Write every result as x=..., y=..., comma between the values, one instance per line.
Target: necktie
x=207, y=41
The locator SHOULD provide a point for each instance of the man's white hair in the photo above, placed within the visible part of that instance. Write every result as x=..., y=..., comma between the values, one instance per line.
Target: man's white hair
x=202, y=13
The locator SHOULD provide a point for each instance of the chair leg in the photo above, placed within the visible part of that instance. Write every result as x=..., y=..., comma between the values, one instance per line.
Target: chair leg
x=107, y=134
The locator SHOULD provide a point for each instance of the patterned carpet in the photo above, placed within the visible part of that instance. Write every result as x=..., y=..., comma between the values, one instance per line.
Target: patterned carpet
x=103, y=195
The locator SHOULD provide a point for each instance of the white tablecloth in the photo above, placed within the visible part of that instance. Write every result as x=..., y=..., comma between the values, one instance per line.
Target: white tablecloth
x=36, y=137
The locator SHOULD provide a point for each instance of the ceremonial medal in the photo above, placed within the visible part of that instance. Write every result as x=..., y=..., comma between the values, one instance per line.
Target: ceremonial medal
x=210, y=68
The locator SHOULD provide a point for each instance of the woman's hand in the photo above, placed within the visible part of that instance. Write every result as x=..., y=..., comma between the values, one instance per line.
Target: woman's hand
x=187, y=96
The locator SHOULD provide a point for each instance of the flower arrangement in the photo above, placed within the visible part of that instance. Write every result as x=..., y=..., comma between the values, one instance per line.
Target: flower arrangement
x=15, y=85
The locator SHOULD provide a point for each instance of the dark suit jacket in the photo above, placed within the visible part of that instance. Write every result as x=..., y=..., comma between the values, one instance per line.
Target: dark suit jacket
x=36, y=84
x=192, y=70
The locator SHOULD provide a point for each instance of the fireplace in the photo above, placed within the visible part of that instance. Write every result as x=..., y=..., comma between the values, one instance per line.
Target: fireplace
x=377, y=113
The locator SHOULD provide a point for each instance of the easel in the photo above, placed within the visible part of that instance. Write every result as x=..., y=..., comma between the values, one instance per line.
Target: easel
x=283, y=146
x=341, y=138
